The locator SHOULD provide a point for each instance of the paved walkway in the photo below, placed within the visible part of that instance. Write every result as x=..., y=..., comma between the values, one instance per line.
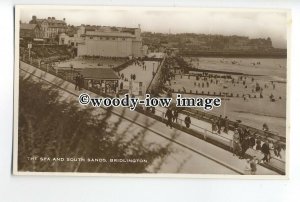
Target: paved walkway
x=142, y=75
x=226, y=138
x=191, y=155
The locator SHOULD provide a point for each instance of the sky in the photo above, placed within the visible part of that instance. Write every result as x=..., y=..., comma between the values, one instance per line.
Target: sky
x=251, y=23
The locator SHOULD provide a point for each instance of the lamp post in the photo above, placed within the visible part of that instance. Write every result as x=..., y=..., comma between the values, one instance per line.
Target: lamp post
x=29, y=49
x=224, y=113
x=225, y=101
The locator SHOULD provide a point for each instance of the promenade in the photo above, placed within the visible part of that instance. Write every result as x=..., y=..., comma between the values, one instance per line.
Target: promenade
x=191, y=154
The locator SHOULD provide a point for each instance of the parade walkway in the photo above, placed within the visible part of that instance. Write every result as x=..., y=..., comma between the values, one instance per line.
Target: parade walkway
x=225, y=138
x=192, y=154
x=142, y=73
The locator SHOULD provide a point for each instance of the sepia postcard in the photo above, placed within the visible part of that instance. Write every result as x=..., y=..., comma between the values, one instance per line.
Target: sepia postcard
x=151, y=92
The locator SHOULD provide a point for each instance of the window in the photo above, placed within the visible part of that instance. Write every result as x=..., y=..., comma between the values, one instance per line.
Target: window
x=91, y=37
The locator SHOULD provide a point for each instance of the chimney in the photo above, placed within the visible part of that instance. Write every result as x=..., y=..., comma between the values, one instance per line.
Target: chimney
x=53, y=18
x=64, y=19
x=49, y=18
x=34, y=18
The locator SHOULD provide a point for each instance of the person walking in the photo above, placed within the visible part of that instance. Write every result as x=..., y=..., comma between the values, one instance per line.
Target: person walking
x=187, y=121
x=277, y=149
x=247, y=167
x=252, y=141
x=244, y=146
x=236, y=143
x=266, y=151
x=226, y=125
x=265, y=127
x=258, y=144
x=214, y=126
x=153, y=110
x=169, y=117
x=220, y=121
x=175, y=115
x=81, y=82
x=253, y=166
x=77, y=80
x=90, y=85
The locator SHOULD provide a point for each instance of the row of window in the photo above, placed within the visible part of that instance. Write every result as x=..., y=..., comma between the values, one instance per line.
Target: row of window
x=51, y=29
x=107, y=38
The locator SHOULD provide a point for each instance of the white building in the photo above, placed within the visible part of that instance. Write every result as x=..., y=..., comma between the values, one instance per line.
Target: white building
x=106, y=41
x=65, y=39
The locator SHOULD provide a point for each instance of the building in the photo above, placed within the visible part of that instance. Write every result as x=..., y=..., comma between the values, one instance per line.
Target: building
x=30, y=31
x=104, y=79
x=51, y=27
x=106, y=41
x=71, y=39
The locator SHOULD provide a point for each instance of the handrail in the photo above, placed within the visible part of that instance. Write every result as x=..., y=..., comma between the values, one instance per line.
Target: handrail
x=262, y=133
x=210, y=132
x=196, y=126
x=157, y=70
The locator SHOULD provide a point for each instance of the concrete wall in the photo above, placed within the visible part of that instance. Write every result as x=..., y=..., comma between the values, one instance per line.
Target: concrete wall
x=107, y=48
x=137, y=50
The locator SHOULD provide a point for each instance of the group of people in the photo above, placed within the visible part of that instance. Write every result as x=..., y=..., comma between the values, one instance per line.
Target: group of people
x=236, y=84
x=132, y=76
x=140, y=62
x=221, y=124
x=150, y=109
x=172, y=116
x=242, y=141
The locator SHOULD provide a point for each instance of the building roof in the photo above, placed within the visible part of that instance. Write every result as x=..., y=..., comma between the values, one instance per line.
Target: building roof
x=109, y=34
x=99, y=73
x=28, y=26
x=52, y=22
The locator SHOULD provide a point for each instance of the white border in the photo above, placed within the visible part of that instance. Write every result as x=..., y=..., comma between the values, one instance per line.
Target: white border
x=214, y=176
